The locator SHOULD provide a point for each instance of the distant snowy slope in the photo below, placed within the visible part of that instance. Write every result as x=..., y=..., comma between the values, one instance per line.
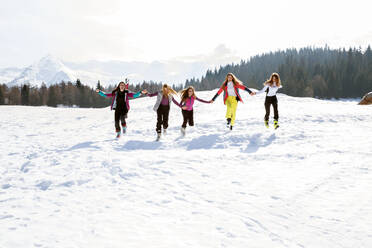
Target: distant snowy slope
x=8, y=74
x=66, y=182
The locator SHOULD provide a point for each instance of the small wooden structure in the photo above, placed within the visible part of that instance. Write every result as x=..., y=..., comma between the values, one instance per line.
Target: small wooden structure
x=367, y=99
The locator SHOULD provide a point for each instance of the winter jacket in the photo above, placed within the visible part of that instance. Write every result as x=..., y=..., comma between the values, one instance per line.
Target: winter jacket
x=160, y=97
x=236, y=88
x=113, y=96
x=269, y=89
x=189, y=102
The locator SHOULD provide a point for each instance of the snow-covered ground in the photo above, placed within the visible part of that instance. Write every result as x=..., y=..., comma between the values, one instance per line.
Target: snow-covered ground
x=66, y=182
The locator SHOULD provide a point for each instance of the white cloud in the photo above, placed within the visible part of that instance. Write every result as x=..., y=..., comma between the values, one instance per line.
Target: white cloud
x=163, y=30
x=219, y=56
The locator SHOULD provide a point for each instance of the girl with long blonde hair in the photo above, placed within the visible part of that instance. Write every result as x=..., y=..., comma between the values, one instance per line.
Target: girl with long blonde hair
x=162, y=107
x=230, y=88
x=188, y=98
x=271, y=86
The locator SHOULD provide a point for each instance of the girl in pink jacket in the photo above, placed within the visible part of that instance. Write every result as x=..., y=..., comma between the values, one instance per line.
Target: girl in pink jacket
x=188, y=98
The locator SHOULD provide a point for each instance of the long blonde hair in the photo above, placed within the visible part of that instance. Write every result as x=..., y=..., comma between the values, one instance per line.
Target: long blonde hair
x=170, y=91
x=235, y=80
x=271, y=82
x=185, y=93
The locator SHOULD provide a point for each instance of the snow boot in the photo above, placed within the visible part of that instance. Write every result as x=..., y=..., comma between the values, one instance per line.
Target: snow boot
x=231, y=127
x=228, y=122
x=124, y=130
x=158, y=137
x=183, y=131
x=164, y=131
x=267, y=124
x=117, y=135
x=276, y=125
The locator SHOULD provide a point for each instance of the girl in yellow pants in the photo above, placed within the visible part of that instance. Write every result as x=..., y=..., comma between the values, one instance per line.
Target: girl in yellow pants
x=230, y=88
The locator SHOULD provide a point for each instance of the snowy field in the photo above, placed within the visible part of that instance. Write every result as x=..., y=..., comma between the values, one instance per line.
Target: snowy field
x=66, y=182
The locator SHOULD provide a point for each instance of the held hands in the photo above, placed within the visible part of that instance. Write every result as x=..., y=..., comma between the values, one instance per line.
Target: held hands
x=211, y=101
x=97, y=90
x=145, y=92
x=253, y=93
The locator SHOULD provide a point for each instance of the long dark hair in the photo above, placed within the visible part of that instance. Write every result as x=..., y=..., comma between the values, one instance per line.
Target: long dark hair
x=118, y=87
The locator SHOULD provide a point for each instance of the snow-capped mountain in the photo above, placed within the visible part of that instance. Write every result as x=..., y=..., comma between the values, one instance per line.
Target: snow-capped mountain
x=52, y=70
x=49, y=70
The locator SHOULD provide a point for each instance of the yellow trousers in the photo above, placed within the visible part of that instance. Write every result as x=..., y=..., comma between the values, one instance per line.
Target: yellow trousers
x=231, y=104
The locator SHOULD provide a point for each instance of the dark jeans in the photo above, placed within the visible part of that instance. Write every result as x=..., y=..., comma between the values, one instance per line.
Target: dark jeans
x=163, y=115
x=120, y=116
x=188, y=117
x=271, y=100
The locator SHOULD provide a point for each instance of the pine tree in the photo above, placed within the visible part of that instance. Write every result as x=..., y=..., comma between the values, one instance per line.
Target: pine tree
x=99, y=86
x=25, y=92
x=78, y=83
x=14, y=96
x=54, y=96
x=43, y=94
x=34, y=98
x=2, y=95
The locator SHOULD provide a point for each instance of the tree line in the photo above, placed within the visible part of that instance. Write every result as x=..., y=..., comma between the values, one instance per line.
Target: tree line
x=307, y=72
x=65, y=94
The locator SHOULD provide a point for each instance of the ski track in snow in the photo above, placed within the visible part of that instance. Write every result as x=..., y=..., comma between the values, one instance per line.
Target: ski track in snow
x=65, y=181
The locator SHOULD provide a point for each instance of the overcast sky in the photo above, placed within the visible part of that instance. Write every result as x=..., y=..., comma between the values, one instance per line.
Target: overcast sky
x=217, y=31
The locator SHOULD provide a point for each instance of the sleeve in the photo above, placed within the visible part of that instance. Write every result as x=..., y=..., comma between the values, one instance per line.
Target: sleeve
x=218, y=93
x=263, y=90
x=201, y=100
x=153, y=94
x=175, y=102
x=134, y=95
x=243, y=87
x=101, y=93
